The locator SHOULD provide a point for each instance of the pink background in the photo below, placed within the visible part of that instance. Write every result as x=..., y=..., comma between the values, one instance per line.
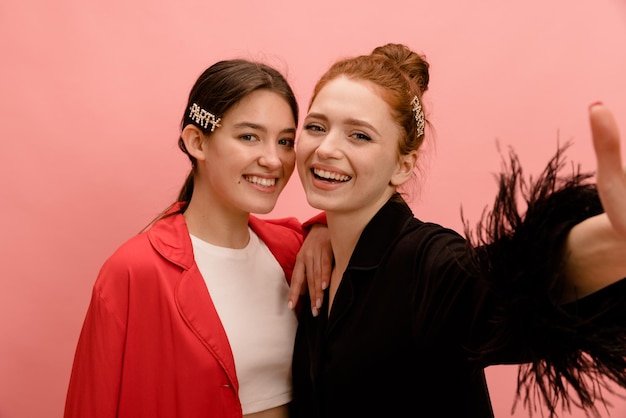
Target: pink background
x=91, y=95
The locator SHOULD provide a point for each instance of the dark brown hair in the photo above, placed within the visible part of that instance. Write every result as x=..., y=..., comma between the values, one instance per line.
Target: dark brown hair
x=216, y=90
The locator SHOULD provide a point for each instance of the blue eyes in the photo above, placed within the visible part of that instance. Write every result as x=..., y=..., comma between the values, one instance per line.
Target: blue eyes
x=361, y=136
x=358, y=135
x=288, y=142
x=314, y=128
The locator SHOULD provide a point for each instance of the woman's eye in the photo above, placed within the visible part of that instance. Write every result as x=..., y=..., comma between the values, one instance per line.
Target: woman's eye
x=289, y=142
x=248, y=137
x=361, y=136
x=314, y=127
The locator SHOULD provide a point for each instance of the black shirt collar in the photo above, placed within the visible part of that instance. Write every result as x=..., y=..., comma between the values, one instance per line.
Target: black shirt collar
x=380, y=233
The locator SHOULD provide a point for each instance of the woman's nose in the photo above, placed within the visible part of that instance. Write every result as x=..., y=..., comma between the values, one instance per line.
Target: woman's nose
x=270, y=158
x=329, y=147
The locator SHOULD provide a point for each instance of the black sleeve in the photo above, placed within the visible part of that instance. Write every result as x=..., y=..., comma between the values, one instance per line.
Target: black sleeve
x=569, y=351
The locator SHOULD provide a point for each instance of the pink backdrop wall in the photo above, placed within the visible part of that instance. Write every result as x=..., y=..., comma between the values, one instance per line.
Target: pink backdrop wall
x=91, y=94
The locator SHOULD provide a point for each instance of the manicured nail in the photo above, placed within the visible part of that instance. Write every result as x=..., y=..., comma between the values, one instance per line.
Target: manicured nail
x=318, y=303
x=595, y=104
x=324, y=285
x=290, y=305
x=315, y=311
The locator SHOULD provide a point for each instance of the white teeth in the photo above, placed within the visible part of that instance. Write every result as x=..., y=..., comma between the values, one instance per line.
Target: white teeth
x=329, y=175
x=261, y=181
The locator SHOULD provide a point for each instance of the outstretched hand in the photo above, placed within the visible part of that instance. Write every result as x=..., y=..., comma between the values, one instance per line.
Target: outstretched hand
x=313, y=268
x=597, y=245
x=611, y=174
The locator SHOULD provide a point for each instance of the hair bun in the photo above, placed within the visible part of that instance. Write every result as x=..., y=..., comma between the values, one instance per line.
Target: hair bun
x=411, y=63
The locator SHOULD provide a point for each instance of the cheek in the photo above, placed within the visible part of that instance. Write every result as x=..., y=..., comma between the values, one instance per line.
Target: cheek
x=301, y=158
x=301, y=163
x=304, y=148
x=289, y=162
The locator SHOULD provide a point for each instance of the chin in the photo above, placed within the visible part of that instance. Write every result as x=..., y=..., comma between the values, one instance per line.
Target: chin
x=262, y=210
x=318, y=202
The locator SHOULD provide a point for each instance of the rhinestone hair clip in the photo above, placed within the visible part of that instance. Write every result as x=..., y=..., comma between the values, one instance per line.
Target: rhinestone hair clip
x=419, y=115
x=203, y=118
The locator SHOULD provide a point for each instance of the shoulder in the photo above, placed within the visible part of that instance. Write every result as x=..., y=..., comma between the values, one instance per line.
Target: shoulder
x=127, y=257
x=131, y=253
x=431, y=246
x=431, y=234
x=289, y=229
x=135, y=261
x=283, y=237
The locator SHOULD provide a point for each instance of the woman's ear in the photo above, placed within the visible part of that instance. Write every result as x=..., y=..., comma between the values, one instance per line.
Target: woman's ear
x=404, y=170
x=194, y=140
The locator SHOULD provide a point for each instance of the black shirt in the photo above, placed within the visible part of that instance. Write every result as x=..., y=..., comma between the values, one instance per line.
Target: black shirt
x=407, y=329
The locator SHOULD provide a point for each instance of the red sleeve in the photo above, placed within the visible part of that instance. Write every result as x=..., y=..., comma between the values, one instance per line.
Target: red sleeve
x=320, y=218
x=291, y=223
x=283, y=237
x=96, y=373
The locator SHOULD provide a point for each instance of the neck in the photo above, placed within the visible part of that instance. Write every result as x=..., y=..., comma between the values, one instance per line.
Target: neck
x=345, y=229
x=344, y=235
x=216, y=224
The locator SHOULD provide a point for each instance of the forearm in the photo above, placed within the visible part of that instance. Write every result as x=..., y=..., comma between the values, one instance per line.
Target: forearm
x=595, y=257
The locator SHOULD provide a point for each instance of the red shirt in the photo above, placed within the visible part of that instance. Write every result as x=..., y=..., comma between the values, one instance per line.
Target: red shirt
x=152, y=344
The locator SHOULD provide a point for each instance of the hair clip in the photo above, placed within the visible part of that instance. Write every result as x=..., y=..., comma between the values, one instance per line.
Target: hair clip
x=419, y=115
x=203, y=118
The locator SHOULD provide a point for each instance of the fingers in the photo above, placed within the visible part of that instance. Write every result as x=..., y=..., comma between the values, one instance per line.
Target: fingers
x=307, y=270
x=606, y=142
x=316, y=300
x=326, y=267
x=323, y=267
x=296, y=287
x=313, y=266
x=611, y=178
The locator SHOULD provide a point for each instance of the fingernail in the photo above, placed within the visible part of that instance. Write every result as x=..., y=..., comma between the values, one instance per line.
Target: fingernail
x=318, y=303
x=324, y=285
x=290, y=305
x=315, y=312
x=595, y=104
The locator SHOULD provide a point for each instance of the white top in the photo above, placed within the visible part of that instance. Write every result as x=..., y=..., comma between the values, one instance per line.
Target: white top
x=250, y=293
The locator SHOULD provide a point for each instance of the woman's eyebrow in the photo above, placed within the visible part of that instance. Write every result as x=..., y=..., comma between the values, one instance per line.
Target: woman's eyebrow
x=362, y=123
x=256, y=126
